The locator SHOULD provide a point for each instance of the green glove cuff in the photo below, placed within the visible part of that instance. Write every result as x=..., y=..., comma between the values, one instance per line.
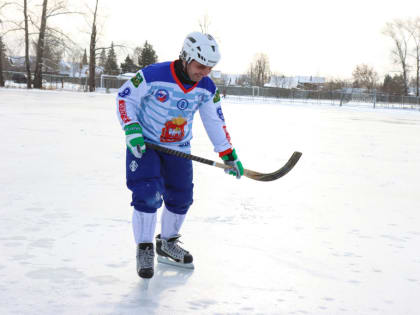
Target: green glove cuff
x=132, y=129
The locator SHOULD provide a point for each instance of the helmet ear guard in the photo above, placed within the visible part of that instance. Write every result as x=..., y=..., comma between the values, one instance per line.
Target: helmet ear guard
x=200, y=47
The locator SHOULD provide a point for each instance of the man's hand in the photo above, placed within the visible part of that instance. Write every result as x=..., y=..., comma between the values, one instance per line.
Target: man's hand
x=230, y=158
x=134, y=139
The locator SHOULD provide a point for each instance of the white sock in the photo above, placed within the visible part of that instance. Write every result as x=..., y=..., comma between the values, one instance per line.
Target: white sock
x=144, y=225
x=171, y=223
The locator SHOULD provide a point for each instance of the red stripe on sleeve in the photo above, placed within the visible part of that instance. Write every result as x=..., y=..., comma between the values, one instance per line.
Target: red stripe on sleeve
x=123, y=111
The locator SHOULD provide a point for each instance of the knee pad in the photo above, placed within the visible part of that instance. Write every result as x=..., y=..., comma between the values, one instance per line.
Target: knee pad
x=178, y=200
x=147, y=196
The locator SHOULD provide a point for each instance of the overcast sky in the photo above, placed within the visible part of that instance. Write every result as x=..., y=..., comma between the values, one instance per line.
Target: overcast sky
x=303, y=37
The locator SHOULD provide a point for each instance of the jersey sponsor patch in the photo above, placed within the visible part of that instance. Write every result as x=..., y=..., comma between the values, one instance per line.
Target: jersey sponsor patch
x=220, y=113
x=182, y=104
x=123, y=111
x=216, y=97
x=137, y=80
x=162, y=95
x=126, y=92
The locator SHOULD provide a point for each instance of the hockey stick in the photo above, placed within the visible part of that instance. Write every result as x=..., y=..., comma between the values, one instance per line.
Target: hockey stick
x=248, y=173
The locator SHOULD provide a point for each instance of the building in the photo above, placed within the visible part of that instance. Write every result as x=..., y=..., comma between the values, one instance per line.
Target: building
x=296, y=82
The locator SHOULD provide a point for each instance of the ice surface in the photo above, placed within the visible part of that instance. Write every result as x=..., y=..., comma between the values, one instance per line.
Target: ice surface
x=339, y=234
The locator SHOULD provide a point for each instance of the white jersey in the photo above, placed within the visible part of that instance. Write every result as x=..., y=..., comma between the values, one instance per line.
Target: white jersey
x=164, y=107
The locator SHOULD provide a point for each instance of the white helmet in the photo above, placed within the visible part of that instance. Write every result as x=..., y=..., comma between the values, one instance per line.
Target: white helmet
x=201, y=48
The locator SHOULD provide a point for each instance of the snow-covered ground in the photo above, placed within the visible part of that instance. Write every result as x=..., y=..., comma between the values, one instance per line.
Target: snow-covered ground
x=339, y=234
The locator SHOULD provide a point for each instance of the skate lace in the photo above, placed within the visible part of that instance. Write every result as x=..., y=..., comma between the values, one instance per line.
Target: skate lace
x=146, y=258
x=174, y=249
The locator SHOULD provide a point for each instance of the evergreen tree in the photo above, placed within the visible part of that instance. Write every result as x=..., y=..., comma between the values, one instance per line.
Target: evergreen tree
x=102, y=59
x=84, y=59
x=147, y=56
x=128, y=65
x=111, y=66
x=394, y=85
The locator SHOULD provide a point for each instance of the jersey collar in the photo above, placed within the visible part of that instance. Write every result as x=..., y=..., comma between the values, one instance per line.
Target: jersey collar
x=178, y=81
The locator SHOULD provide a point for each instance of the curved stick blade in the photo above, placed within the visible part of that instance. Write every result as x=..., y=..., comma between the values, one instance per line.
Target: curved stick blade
x=277, y=174
x=248, y=173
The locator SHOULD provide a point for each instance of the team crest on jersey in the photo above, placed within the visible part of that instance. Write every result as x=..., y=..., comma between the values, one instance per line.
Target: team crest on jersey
x=220, y=113
x=137, y=80
x=162, y=95
x=173, y=130
x=182, y=104
x=216, y=97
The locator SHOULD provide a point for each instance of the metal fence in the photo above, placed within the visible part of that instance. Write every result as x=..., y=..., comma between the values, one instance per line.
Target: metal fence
x=60, y=82
x=339, y=98
x=110, y=84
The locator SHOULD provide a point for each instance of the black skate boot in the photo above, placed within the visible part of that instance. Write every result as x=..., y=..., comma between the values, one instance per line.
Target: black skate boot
x=145, y=260
x=169, y=252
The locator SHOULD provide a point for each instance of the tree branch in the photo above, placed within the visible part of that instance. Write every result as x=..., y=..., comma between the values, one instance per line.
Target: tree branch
x=62, y=13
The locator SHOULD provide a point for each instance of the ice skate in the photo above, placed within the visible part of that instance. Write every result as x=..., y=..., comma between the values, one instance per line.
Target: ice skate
x=145, y=260
x=169, y=252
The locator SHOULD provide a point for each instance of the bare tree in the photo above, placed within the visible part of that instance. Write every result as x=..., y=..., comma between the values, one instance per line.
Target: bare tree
x=397, y=31
x=27, y=62
x=17, y=26
x=54, y=48
x=2, y=6
x=365, y=77
x=40, y=47
x=259, y=70
x=136, y=55
x=2, y=58
x=92, y=52
x=412, y=26
x=58, y=7
x=204, y=24
x=75, y=55
x=333, y=84
x=1, y=61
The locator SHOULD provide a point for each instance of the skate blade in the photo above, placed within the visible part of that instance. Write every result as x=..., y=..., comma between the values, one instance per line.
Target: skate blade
x=167, y=261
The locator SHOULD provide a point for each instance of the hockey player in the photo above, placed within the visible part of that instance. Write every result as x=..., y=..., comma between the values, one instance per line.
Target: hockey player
x=158, y=105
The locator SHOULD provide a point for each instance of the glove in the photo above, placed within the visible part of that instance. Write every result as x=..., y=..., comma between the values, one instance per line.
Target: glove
x=134, y=139
x=230, y=158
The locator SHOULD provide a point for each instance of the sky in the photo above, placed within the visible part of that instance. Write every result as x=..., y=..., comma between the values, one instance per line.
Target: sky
x=319, y=38
x=325, y=38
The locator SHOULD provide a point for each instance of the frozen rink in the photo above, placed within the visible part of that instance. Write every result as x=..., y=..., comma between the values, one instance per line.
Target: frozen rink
x=339, y=234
